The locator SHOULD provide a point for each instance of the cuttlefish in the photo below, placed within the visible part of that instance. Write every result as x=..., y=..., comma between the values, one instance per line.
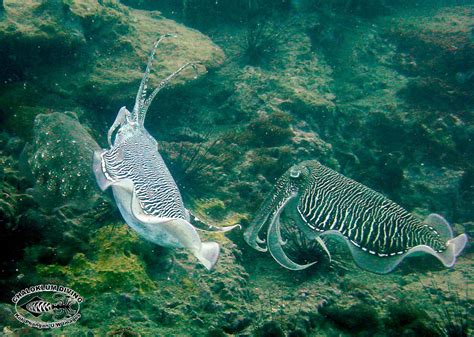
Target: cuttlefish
x=378, y=232
x=144, y=190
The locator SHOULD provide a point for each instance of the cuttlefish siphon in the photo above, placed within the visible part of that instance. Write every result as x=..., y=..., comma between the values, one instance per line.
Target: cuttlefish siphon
x=378, y=232
x=144, y=190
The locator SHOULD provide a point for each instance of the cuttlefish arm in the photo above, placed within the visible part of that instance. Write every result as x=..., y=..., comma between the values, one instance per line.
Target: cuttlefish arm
x=251, y=234
x=294, y=213
x=200, y=225
x=275, y=242
x=121, y=119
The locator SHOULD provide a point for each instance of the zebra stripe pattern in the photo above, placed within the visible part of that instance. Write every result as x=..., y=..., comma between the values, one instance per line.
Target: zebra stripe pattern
x=366, y=218
x=137, y=158
x=39, y=307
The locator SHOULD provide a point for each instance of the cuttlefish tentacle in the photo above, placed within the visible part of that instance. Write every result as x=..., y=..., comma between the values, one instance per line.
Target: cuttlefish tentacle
x=251, y=234
x=324, y=247
x=142, y=89
x=200, y=225
x=294, y=214
x=274, y=241
x=271, y=207
x=146, y=104
x=142, y=102
x=121, y=119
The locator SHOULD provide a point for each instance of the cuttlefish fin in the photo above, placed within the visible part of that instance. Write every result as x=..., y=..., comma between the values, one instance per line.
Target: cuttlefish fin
x=180, y=229
x=206, y=252
x=440, y=224
x=100, y=172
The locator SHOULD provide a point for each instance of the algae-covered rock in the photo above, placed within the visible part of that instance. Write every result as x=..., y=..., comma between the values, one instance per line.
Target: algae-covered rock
x=92, y=52
x=437, y=46
x=213, y=208
x=112, y=267
x=435, y=190
x=358, y=317
x=61, y=159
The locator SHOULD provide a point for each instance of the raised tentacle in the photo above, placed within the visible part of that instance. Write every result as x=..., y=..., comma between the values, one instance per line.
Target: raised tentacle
x=141, y=94
x=146, y=104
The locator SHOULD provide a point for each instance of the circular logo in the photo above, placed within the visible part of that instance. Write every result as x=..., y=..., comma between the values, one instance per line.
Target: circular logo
x=47, y=306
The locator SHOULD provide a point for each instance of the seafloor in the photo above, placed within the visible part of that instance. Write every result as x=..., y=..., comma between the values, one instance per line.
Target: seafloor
x=382, y=91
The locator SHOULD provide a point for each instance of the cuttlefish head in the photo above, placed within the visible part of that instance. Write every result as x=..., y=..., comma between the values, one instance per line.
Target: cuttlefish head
x=287, y=187
x=125, y=126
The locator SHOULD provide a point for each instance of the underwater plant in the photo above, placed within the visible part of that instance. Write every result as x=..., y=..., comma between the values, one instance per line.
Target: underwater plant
x=146, y=193
x=454, y=319
x=378, y=232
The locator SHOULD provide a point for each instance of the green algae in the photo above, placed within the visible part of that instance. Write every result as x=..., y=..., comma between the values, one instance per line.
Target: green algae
x=111, y=267
x=213, y=208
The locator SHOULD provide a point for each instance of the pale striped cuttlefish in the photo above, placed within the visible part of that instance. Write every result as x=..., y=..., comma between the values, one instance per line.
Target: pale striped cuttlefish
x=144, y=190
x=321, y=202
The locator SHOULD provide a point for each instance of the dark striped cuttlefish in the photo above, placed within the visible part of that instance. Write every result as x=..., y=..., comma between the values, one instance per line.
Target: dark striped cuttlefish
x=378, y=232
x=144, y=190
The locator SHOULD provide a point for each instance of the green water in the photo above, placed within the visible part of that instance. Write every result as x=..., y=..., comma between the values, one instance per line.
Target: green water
x=379, y=91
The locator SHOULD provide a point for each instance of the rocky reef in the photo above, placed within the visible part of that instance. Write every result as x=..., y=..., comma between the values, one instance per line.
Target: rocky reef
x=379, y=91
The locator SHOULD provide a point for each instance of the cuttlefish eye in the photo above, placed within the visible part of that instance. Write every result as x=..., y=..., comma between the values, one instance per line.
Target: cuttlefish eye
x=295, y=173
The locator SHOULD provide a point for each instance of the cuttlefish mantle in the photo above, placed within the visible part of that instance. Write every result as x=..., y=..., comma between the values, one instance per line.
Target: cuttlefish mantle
x=378, y=232
x=144, y=190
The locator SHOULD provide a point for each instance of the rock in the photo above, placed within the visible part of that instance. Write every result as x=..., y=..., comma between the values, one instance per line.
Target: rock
x=358, y=317
x=431, y=188
x=60, y=159
x=14, y=146
x=112, y=266
x=7, y=316
x=270, y=329
x=439, y=50
x=109, y=45
x=236, y=324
